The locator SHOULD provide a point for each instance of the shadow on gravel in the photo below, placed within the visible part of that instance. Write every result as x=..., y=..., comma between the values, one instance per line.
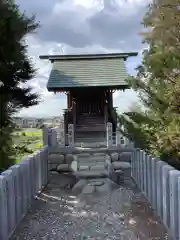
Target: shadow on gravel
x=108, y=211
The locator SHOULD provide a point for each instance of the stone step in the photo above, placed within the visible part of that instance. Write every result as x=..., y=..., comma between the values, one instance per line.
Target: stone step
x=89, y=140
x=96, y=145
x=88, y=128
x=91, y=174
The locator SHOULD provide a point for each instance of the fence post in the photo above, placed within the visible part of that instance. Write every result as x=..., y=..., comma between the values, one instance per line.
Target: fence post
x=109, y=134
x=173, y=184
x=24, y=187
x=178, y=212
x=43, y=166
x=118, y=138
x=8, y=174
x=136, y=165
x=54, y=137
x=149, y=177
x=70, y=135
x=45, y=132
x=16, y=170
x=137, y=168
x=36, y=173
x=32, y=176
x=166, y=194
x=154, y=180
x=62, y=134
x=46, y=154
x=141, y=167
x=159, y=166
x=132, y=163
x=145, y=173
x=3, y=209
x=38, y=169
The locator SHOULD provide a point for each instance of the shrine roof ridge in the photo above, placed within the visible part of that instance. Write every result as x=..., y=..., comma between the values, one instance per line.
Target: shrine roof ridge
x=124, y=55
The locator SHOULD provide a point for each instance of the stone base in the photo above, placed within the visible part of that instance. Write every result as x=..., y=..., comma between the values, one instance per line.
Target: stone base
x=121, y=165
x=63, y=168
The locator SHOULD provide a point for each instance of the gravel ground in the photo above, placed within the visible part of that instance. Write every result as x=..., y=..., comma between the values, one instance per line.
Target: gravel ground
x=67, y=209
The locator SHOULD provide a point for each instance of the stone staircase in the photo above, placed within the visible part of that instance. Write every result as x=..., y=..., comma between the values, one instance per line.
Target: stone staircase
x=94, y=165
x=90, y=131
x=89, y=122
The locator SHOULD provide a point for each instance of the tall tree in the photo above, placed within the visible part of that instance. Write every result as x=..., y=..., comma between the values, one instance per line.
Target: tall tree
x=158, y=84
x=16, y=69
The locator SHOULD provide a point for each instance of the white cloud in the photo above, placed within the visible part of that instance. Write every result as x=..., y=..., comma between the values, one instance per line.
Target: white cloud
x=81, y=26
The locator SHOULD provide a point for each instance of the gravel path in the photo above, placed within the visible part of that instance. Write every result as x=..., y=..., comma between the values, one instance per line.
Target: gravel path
x=68, y=210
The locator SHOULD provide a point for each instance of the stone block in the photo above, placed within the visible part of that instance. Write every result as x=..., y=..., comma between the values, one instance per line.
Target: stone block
x=69, y=158
x=120, y=176
x=63, y=168
x=121, y=165
x=99, y=154
x=125, y=157
x=88, y=189
x=75, y=158
x=114, y=157
x=97, y=167
x=92, y=174
x=56, y=158
x=83, y=168
x=74, y=166
x=83, y=155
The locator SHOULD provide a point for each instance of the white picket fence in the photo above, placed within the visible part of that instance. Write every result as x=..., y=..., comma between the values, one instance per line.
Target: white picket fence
x=18, y=186
x=160, y=183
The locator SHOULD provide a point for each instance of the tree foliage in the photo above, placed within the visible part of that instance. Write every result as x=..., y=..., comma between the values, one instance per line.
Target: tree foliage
x=157, y=82
x=16, y=69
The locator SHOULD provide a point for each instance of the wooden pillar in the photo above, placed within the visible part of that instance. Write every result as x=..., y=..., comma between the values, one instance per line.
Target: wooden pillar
x=110, y=99
x=69, y=99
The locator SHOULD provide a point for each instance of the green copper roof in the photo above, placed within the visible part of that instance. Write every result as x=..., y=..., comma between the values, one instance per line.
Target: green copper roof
x=72, y=71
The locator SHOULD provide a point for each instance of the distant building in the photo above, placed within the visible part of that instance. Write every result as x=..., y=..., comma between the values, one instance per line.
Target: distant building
x=38, y=122
x=26, y=122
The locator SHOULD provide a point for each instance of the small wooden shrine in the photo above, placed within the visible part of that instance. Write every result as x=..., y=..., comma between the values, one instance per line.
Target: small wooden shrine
x=89, y=82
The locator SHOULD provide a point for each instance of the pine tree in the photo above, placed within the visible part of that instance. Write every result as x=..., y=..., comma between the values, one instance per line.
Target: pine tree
x=16, y=70
x=158, y=85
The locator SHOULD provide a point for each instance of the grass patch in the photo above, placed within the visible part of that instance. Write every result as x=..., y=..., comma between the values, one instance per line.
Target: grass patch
x=26, y=141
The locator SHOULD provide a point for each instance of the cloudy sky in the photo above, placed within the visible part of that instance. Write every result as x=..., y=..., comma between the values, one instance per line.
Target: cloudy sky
x=81, y=26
